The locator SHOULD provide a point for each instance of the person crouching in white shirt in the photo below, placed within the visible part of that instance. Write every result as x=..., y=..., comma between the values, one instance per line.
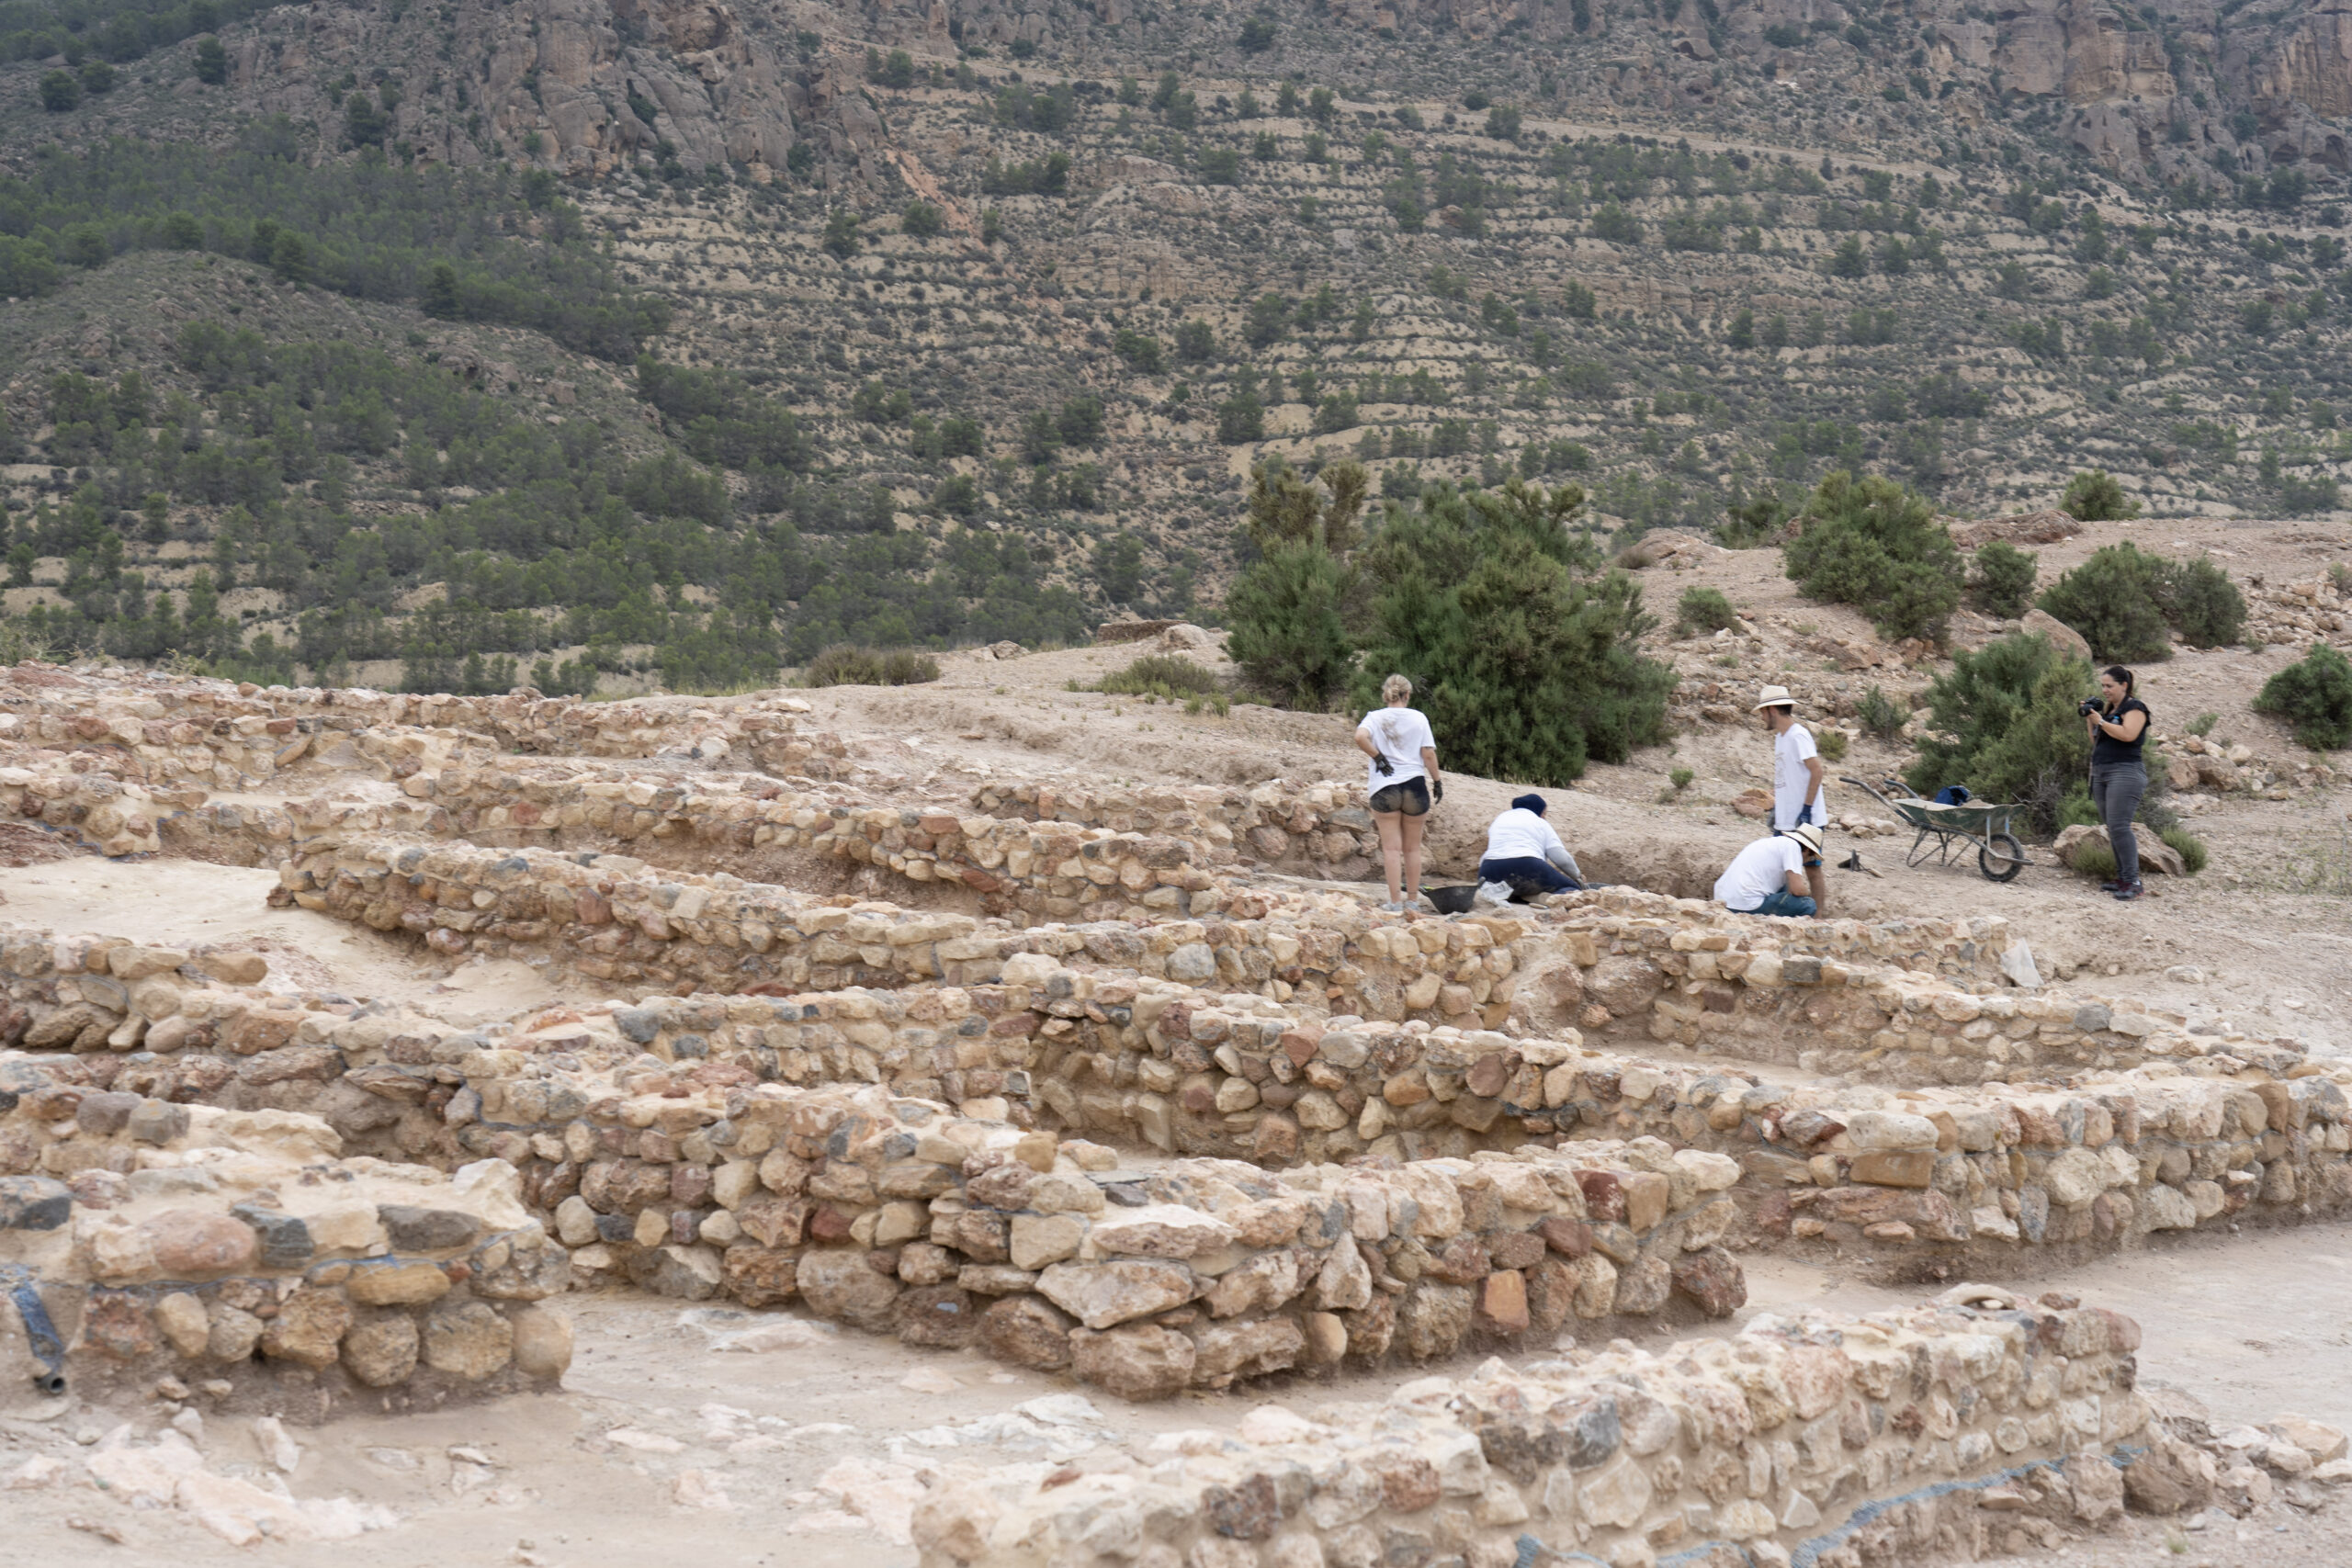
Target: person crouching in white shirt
x=1767, y=877
x=1525, y=854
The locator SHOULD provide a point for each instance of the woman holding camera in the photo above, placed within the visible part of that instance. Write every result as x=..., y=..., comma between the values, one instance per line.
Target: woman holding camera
x=2119, y=728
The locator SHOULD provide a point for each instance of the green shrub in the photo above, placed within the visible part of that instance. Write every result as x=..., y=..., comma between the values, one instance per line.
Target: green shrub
x=842, y=665
x=2314, y=696
x=1831, y=744
x=1163, y=675
x=1703, y=610
x=1681, y=778
x=2002, y=584
x=1290, y=610
x=2202, y=603
x=2015, y=734
x=1876, y=545
x=1880, y=716
x=2075, y=810
x=2115, y=601
x=2192, y=848
x=2094, y=858
x=1525, y=647
x=2203, y=725
x=2095, y=496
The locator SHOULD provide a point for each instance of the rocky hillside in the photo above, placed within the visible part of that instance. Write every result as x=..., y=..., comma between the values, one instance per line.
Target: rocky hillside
x=1034, y=289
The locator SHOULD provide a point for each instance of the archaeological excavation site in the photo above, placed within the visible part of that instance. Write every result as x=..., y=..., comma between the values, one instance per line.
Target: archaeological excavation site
x=512, y=1129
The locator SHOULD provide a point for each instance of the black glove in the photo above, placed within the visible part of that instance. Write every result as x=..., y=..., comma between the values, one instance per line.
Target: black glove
x=1383, y=766
x=1437, y=789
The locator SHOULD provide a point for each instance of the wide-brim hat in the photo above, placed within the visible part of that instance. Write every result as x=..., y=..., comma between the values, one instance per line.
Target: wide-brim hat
x=1775, y=697
x=1808, y=834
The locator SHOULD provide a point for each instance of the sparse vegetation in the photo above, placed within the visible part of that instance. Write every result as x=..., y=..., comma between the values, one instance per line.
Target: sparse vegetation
x=2124, y=600
x=1166, y=677
x=1703, y=610
x=842, y=665
x=2314, y=697
x=2095, y=496
x=1880, y=716
x=2002, y=584
x=2008, y=710
x=1523, y=647
x=1876, y=545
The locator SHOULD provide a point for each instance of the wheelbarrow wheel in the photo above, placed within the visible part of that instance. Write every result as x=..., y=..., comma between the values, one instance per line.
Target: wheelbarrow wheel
x=2001, y=858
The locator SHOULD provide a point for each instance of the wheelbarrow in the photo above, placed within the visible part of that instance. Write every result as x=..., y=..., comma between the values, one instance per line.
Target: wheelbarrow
x=1947, y=832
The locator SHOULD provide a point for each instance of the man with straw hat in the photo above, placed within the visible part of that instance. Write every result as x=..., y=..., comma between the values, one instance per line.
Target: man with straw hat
x=1769, y=876
x=1797, y=777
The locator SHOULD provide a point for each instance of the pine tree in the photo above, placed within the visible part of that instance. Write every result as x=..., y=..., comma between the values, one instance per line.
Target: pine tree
x=1522, y=650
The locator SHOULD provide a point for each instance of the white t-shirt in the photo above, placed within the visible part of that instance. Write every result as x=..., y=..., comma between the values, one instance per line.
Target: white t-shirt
x=1400, y=733
x=1791, y=781
x=1757, y=871
x=1519, y=834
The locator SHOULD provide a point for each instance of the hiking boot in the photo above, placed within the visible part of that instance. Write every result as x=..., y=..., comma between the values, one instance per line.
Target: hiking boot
x=2129, y=891
x=2109, y=885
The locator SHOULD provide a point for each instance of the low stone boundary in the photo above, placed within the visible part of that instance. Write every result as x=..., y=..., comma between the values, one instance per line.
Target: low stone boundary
x=47, y=705
x=898, y=1217
x=1822, y=1438
x=188, y=1243
x=2105, y=1160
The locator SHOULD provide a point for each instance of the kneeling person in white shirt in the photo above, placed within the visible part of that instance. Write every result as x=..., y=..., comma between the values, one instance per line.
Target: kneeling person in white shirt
x=1524, y=853
x=1767, y=877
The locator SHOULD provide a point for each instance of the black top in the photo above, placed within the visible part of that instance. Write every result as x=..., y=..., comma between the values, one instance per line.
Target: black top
x=2107, y=748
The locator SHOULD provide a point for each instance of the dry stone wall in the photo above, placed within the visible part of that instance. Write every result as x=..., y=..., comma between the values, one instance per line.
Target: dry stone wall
x=1914, y=1002
x=1830, y=1441
x=180, y=1246
x=1971, y=1175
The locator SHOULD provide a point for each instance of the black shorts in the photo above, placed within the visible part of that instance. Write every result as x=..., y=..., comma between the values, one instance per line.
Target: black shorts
x=1411, y=798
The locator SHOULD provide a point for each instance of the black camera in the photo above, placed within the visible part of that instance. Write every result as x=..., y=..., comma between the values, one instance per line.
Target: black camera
x=2087, y=706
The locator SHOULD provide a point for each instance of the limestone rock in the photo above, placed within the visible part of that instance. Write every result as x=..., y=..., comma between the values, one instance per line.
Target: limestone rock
x=468, y=1339
x=2057, y=633
x=309, y=1326
x=397, y=1282
x=839, y=1283
x=1027, y=1333
x=1101, y=1295
x=542, y=1341
x=381, y=1349
x=190, y=1244
x=1141, y=1362
x=2154, y=853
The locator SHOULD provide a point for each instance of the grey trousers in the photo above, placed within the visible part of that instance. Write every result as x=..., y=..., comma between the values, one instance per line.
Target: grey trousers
x=2116, y=789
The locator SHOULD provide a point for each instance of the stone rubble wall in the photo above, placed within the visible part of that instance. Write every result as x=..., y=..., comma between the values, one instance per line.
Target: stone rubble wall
x=1973, y=1172
x=43, y=704
x=236, y=1250
x=898, y=1216
x=1324, y=827
x=1909, y=1002
x=1898, y=998
x=1828, y=1440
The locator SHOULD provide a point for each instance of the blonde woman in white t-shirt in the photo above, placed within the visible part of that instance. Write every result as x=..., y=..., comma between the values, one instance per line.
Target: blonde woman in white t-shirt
x=1404, y=780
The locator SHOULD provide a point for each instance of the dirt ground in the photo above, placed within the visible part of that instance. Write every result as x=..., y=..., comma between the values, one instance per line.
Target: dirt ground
x=2279, y=884
x=655, y=1411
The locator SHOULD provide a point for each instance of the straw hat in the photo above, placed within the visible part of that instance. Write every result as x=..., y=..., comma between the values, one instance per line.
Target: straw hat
x=1776, y=698
x=1805, y=833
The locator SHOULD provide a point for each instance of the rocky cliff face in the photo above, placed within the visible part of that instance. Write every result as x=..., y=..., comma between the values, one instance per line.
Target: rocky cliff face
x=596, y=81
